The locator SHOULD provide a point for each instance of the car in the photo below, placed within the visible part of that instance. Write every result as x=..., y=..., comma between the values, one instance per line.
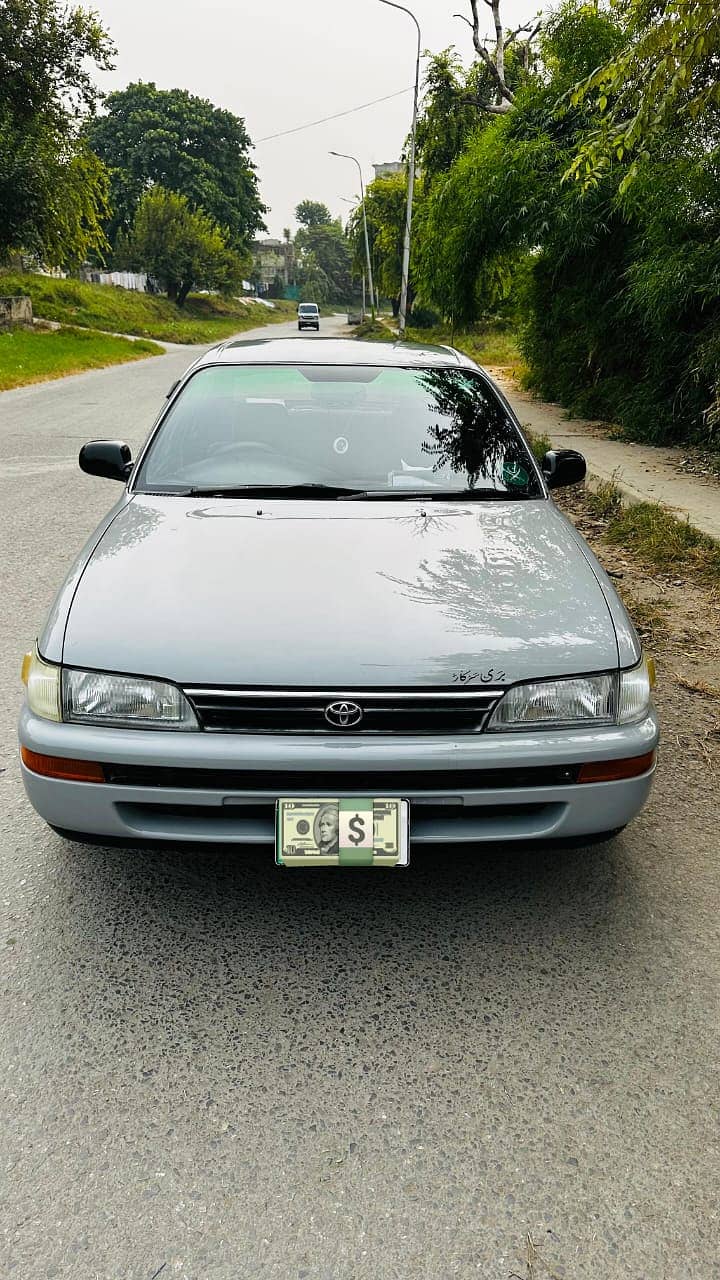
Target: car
x=336, y=569
x=308, y=316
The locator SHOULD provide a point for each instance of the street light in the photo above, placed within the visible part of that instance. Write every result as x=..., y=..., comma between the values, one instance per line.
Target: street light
x=347, y=200
x=411, y=175
x=342, y=156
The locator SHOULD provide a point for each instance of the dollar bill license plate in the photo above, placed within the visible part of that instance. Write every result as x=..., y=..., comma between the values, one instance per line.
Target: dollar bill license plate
x=336, y=832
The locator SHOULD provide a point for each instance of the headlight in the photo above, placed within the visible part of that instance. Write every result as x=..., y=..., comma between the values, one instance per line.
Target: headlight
x=42, y=681
x=635, y=692
x=92, y=697
x=617, y=698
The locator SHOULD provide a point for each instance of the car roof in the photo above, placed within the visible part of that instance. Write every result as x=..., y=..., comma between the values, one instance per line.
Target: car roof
x=339, y=351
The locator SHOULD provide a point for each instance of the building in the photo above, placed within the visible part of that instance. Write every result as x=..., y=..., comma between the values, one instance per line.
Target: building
x=388, y=168
x=272, y=259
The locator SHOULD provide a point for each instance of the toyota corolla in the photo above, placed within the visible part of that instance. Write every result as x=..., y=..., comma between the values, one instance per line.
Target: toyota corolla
x=336, y=609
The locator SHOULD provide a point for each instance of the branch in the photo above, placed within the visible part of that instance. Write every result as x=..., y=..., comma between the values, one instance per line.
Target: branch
x=512, y=35
x=528, y=30
x=496, y=64
x=493, y=108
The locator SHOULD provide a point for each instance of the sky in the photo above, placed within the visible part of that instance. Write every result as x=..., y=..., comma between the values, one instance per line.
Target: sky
x=283, y=63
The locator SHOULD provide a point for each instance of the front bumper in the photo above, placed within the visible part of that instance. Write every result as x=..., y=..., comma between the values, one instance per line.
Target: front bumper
x=435, y=774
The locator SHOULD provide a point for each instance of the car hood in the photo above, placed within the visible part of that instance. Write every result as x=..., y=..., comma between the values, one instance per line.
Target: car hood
x=338, y=594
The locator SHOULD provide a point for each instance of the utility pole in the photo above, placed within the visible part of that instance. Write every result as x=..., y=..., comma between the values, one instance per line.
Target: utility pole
x=411, y=176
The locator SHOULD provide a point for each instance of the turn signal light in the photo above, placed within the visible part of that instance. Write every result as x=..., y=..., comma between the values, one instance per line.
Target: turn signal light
x=59, y=767
x=616, y=770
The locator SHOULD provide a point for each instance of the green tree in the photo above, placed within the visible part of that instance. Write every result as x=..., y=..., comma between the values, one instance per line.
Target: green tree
x=181, y=247
x=621, y=288
x=53, y=191
x=324, y=255
x=182, y=143
x=311, y=213
x=385, y=208
x=667, y=66
x=449, y=113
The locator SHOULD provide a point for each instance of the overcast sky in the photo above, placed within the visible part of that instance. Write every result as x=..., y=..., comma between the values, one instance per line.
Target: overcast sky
x=282, y=63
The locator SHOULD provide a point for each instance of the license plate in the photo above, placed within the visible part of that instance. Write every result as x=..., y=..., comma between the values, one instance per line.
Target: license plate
x=342, y=832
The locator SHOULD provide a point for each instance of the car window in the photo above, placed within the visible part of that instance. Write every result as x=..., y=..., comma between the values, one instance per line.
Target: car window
x=353, y=426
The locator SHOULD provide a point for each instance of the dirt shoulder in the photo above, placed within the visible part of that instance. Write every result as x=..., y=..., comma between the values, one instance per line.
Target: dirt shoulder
x=680, y=479
x=678, y=619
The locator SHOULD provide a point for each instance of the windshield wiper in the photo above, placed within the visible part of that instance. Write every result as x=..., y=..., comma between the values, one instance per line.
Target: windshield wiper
x=439, y=495
x=273, y=491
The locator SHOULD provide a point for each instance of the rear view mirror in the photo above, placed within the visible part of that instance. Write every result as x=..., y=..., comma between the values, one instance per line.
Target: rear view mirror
x=111, y=459
x=563, y=466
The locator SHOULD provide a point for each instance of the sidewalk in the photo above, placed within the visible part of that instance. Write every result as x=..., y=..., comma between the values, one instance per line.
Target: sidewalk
x=642, y=473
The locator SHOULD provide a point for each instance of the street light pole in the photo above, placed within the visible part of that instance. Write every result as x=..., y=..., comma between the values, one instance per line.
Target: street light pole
x=342, y=156
x=411, y=176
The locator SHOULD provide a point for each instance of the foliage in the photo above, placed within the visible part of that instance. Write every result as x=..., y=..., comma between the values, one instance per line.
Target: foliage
x=45, y=49
x=202, y=319
x=32, y=355
x=311, y=213
x=323, y=255
x=173, y=139
x=658, y=537
x=385, y=205
x=667, y=67
x=449, y=112
x=53, y=191
x=181, y=247
x=617, y=290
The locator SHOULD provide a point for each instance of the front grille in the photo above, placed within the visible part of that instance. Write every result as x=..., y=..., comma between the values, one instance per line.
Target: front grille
x=425, y=711
x=316, y=782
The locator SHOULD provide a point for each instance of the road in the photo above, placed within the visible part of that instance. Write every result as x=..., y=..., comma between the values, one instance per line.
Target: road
x=496, y=1064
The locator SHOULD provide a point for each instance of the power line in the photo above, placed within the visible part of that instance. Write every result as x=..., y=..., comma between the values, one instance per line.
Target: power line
x=351, y=111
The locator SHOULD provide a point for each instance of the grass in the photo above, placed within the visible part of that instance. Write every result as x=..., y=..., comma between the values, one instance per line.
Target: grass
x=663, y=541
x=539, y=443
x=36, y=355
x=373, y=331
x=486, y=344
x=98, y=306
x=604, y=499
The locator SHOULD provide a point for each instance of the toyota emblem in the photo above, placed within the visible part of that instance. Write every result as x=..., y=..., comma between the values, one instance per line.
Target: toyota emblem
x=343, y=715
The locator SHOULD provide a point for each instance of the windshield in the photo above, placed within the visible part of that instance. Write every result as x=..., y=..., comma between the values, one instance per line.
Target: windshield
x=309, y=308
x=354, y=428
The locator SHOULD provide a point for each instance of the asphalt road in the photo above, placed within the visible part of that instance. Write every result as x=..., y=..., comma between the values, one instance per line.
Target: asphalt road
x=498, y=1064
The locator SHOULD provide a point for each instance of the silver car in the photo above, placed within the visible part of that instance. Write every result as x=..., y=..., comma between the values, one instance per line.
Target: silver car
x=335, y=569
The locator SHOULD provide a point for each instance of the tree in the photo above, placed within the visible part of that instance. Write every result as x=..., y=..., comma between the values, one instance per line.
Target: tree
x=324, y=255
x=184, y=144
x=496, y=62
x=53, y=191
x=668, y=65
x=44, y=54
x=181, y=247
x=311, y=213
x=449, y=112
x=620, y=298
x=385, y=209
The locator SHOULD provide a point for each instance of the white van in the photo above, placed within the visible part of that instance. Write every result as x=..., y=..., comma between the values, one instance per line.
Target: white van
x=308, y=316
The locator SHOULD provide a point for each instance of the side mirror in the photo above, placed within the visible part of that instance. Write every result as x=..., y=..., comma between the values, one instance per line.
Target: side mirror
x=563, y=466
x=111, y=459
